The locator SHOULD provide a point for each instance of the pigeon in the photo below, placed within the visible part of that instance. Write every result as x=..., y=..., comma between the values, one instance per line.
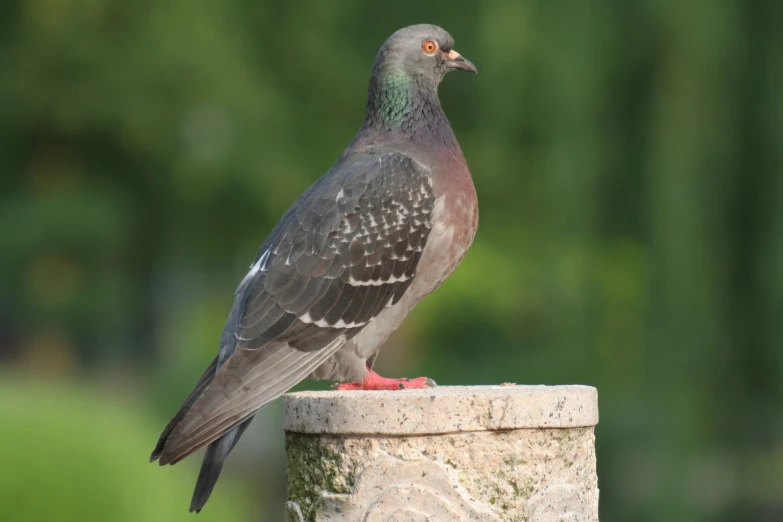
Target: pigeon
x=382, y=229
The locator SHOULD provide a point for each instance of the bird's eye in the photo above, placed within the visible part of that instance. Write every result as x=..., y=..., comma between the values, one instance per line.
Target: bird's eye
x=429, y=46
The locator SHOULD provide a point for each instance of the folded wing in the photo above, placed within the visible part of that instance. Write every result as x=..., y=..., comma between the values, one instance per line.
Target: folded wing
x=344, y=251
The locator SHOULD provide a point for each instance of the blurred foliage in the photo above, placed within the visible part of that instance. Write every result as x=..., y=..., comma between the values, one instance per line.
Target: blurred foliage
x=627, y=157
x=71, y=456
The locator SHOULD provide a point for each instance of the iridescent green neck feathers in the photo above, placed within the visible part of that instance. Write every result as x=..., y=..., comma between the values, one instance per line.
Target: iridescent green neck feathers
x=393, y=100
x=405, y=106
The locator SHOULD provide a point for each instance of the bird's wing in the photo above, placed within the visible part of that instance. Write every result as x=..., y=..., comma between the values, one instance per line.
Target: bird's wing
x=345, y=250
x=201, y=385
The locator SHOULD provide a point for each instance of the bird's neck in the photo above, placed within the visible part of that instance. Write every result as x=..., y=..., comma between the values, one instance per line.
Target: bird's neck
x=402, y=107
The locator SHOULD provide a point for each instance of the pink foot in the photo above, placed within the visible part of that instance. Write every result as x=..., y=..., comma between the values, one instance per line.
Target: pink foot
x=373, y=381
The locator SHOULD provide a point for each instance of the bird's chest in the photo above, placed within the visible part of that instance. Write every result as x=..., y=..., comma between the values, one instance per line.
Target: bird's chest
x=454, y=225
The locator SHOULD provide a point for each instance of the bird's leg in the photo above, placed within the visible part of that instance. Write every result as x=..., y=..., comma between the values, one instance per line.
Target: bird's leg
x=373, y=381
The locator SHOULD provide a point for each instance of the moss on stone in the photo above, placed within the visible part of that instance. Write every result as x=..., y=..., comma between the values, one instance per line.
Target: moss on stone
x=566, y=440
x=313, y=470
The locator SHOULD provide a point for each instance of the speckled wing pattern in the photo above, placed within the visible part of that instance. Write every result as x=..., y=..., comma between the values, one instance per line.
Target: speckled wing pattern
x=348, y=248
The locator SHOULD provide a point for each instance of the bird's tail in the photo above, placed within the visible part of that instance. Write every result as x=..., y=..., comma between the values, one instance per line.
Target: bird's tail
x=212, y=464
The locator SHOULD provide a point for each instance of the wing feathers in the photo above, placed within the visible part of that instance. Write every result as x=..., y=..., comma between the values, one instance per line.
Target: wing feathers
x=202, y=384
x=346, y=249
x=231, y=398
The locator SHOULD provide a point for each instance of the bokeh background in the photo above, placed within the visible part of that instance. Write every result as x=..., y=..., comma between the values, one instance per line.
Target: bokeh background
x=628, y=161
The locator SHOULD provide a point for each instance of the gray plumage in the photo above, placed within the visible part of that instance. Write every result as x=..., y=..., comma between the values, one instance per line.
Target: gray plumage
x=346, y=263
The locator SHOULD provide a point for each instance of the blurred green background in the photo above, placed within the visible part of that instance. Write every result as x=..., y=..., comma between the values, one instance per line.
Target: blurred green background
x=628, y=161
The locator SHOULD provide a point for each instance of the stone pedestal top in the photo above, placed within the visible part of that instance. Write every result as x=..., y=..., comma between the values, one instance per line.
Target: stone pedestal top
x=443, y=409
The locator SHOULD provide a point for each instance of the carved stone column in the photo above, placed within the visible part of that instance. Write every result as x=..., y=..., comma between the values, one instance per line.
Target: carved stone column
x=445, y=454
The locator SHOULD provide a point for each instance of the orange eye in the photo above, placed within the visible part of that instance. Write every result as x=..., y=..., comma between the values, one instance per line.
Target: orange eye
x=429, y=46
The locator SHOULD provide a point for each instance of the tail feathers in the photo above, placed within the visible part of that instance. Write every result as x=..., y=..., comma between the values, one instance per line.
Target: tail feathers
x=246, y=383
x=212, y=465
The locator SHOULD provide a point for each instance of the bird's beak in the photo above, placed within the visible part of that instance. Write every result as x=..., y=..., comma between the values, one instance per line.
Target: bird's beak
x=454, y=60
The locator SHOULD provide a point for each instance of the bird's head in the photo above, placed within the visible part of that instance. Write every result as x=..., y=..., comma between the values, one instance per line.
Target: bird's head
x=424, y=52
x=403, y=90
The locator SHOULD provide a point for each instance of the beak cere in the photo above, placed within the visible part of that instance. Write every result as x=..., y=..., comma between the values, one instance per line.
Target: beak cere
x=455, y=61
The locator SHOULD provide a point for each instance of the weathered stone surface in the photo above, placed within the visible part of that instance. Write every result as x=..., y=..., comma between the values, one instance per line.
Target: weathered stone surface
x=529, y=473
x=444, y=409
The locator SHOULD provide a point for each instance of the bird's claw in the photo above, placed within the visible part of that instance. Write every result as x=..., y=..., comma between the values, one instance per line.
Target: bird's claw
x=373, y=381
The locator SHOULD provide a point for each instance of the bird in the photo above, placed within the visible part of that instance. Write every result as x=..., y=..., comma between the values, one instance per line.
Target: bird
x=351, y=257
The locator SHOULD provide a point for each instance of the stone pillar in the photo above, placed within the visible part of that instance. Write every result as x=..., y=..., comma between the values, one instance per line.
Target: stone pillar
x=444, y=454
